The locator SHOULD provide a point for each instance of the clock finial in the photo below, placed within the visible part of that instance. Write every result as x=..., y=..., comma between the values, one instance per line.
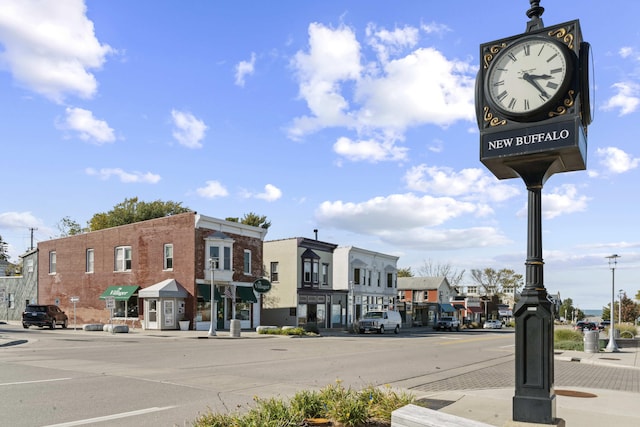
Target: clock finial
x=535, y=13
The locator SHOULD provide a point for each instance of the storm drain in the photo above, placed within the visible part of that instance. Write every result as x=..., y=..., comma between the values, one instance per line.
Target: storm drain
x=573, y=393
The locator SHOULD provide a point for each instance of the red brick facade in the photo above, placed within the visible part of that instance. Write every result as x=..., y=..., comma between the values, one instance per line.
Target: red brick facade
x=147, y=240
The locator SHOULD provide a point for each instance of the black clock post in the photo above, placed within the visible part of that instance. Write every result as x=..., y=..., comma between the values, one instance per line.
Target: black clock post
x=533, y=109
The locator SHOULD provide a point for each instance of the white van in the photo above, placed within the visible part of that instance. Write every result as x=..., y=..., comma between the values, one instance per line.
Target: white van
x=380, y=321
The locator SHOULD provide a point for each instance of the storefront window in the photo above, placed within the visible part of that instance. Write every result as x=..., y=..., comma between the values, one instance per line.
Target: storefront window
x=127, y=308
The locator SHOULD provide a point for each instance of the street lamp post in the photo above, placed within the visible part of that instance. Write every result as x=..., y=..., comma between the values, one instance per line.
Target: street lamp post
x=612, y=347
x=214, y=308
x=620, y=293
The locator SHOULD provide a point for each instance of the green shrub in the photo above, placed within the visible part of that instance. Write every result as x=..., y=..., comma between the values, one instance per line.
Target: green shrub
x=568, y=339
x=343, y=406
x=281, y=331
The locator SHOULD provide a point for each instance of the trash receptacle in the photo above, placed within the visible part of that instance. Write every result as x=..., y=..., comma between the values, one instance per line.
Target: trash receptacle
x=591, y=342
x=234, y=331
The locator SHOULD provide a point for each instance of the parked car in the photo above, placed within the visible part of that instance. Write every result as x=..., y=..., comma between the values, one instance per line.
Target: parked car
x=448, y=322
x=492, y=324
x=604, y=325
x=379, y=321
x=582, y=325
x=43, y=315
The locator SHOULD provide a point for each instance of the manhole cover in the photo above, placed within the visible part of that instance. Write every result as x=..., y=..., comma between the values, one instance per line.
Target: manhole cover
x=573, y=393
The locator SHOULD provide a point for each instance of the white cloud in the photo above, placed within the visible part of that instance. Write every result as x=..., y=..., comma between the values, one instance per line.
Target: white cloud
x=561, y=200
x=212, y=190
x=421, y=88
x=434, y=28
x=334, y=56
x=616, y=161
x=396, y=211
x=126, y=177
x=245, y=68
x=271, y=193
x=369, y=150
x=189, y=131
x=410, y=221
x=401, y=90
x=385, y=42
x=471, y=183
x=626, y=100
x=625, y=51
x=88, y=127
x=50, y=47
x=19, y=220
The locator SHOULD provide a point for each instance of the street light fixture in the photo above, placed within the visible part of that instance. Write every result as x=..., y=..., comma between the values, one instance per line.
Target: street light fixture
x=612, y=347
x=620, y=294
x=212, y=327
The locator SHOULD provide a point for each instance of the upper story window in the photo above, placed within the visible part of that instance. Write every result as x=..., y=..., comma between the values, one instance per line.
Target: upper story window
x=357, y=275
x=221, y=257
x=472, y=289
x=247, y=262
x=274, y=272
x=369, y=277
x=122, y=260
x=52, y=262
x=379, y=276
x=306, y=271
x=310, y=269
x=168, y=256
x=389, y=280
x=325, y=274
x=89, y=261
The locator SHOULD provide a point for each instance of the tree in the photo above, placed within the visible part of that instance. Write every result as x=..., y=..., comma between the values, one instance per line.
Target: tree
x=4, y=256
x=497, y=282
x=405, y=272
x=429, y=269
x=69, y=227
x=630, y=310
x=132, y=210
x=569, y=312
x=252, y=219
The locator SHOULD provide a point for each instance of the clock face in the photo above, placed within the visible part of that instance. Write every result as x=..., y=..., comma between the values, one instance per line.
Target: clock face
x=528, y=77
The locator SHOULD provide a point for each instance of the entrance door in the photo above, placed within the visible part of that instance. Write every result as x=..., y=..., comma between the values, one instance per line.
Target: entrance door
x=168, y=314
x=151, y=313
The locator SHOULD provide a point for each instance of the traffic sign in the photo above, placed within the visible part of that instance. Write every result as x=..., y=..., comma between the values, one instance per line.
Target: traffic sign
x=111, y=302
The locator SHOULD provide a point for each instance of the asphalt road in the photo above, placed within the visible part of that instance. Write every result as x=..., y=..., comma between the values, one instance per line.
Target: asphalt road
x=68, y=378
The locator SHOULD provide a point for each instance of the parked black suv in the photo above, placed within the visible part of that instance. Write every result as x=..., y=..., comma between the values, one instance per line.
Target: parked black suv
x=43, y=315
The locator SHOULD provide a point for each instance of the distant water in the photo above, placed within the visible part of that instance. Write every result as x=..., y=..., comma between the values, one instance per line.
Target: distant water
x=593, y=313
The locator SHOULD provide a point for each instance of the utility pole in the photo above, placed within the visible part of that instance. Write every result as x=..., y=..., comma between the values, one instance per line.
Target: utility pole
x=32, y=229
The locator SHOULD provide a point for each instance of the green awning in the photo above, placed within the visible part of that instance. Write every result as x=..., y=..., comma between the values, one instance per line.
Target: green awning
x=120, y=293
x=204, y=292
x=246, y=294
x=447, y=308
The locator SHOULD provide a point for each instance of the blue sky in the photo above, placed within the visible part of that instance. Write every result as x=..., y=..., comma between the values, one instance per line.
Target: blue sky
x=354, y=118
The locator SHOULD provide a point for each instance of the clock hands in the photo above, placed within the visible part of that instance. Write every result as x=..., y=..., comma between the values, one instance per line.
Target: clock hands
x=532, y=78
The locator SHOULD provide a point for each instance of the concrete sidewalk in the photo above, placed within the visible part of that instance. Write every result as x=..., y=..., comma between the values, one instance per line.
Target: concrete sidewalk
x=576, y=406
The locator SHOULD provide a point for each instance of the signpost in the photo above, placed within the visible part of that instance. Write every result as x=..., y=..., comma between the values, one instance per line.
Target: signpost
x=111, y=305
x=74, y=300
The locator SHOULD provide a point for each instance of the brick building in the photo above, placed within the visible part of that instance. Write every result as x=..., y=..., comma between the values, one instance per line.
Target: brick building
x=175, y=258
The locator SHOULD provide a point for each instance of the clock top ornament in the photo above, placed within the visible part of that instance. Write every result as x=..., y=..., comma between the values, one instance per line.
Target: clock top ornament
x=537, y=78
